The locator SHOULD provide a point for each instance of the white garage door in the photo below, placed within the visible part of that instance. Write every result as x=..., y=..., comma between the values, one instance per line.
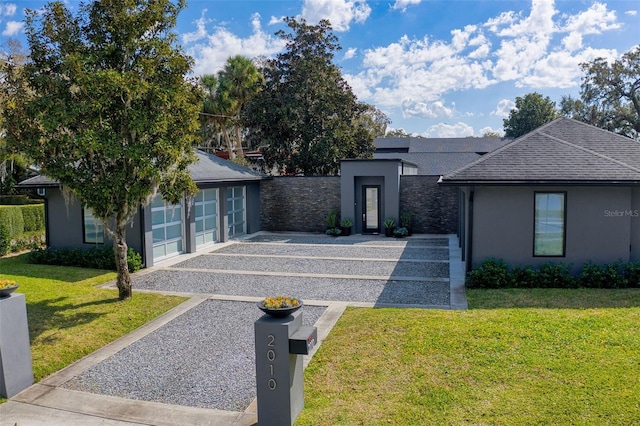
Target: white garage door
x=236, y=215
x=166, y=221
x=206, y=214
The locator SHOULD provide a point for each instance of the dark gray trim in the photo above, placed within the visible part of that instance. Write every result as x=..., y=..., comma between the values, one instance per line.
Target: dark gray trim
x=442, y=181
x=469, y=265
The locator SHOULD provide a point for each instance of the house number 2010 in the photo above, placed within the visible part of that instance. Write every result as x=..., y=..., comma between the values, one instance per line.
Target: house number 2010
x=271, y=356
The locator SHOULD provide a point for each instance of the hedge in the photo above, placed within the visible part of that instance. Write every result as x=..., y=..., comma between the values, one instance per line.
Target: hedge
x=496, y=273
x=99, y=257
x=18, y=200
x=18, y=220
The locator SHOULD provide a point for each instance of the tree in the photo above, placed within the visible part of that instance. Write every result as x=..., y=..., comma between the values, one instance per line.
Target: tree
x=227, y=95
x=609, y=95
x=531, y=112
x=13, y=165
x=104, y=108
x=397, y=133
x=491, y=134
x=306, y=116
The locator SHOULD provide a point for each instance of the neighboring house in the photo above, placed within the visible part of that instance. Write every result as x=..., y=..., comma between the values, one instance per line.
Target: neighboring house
x=227, y=205
x=566, y=191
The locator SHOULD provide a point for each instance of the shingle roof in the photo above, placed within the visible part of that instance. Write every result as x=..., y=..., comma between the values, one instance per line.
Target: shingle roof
x=422, y=145
x=432, y=163
x=562, y=151
x=208, y=169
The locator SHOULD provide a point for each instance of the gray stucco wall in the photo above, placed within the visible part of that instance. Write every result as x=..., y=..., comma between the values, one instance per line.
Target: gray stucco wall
x=356, y=173
x=298, y=203
x=65, y=224
x=635, y=225
x=434, y=207
x=504, y=225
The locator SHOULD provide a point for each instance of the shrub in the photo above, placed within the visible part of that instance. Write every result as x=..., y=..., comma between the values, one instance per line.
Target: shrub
x=33, y=217
x=555, y=275
x=332, y=219
x=400, y=232
x=632, y=274
x=101, y=257
x=5, y=242
x=609, y=275
x=493, y=273
x=524, y=277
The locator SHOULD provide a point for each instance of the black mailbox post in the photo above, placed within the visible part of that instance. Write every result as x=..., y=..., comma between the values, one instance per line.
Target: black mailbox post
x=280, y=344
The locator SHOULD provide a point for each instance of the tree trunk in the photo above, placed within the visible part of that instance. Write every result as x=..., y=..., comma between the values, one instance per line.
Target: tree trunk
x=120, y=251
x=232, y=153
x=240, y=152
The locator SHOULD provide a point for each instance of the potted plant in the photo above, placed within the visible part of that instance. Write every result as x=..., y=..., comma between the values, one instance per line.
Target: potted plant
x=346, y=225
x=7, y=287
x=280, y=306
x=389, y=226
x=332, y=223
x=405, y=221
x=400, y=232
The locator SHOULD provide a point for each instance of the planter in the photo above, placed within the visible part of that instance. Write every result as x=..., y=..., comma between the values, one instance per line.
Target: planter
x=6, y=291
x=388, y=232
x=283, y=311
x=346, y=231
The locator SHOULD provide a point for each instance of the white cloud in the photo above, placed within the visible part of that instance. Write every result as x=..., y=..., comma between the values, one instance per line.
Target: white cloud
x=12, y=28
x=503, y=108
x=631, y=12
x=350, y=53
x=200, y=31
x=402, y=4
x=276, y=20
x=7, y=9
x=339, y=12
x=411, y=108
x=594, y=20
x=443, y=130
x=211, y=49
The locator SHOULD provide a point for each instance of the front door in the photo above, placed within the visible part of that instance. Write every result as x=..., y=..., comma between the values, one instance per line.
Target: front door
x=370, y=209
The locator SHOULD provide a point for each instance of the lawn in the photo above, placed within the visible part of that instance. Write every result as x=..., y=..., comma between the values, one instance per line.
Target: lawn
x=516, y=357
x=69, y=317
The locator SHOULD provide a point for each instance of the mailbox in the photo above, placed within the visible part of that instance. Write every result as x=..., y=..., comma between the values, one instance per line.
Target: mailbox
x=280, y=344
x=303, y=340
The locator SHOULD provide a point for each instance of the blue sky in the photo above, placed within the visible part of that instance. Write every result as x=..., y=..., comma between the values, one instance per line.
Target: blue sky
x=436, y=68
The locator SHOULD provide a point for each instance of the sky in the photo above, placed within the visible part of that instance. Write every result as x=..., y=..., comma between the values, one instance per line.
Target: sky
x=448, y=68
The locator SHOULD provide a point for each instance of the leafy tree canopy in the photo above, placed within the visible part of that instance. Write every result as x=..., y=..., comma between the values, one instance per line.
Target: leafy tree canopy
x=531, y=112
x=307, y=116
x=103, y=107
x=609, y=95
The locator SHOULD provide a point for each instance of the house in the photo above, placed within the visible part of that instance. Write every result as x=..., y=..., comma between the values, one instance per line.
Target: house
x=566, y=191
x=402, y=177
x=227, y=205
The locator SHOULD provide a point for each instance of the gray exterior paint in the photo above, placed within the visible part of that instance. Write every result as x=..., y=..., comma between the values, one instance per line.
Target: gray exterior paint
x=598, y=170
x=503, y=224
x=354, y=174
x=64, y=220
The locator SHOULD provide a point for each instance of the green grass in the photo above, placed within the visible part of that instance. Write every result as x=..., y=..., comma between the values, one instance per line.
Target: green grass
x=517, y=357
x=69, y=317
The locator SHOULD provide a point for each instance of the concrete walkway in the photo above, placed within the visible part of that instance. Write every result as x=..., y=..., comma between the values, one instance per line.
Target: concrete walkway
x=49, y=403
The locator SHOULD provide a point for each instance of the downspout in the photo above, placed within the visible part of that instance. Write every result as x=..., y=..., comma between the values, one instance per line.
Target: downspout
x=470, y=229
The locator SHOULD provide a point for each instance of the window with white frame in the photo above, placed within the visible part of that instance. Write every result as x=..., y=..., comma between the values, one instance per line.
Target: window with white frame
x=206, y=216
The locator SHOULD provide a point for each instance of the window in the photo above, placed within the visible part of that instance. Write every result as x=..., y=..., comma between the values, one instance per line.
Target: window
x=236, y=210
x=550, y=230
x=206, y=217
x=93, y=229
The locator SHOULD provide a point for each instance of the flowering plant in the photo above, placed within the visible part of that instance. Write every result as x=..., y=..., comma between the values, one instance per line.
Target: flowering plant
x=279, y=302
x=7, y=284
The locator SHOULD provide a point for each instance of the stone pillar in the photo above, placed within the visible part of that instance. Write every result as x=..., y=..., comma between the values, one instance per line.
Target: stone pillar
x=16, y=371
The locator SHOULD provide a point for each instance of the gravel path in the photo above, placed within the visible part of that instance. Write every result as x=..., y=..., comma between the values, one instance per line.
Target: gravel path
x=318, y=266
x=204, y=358
x=354, y=252
x=355, y=290
x=352, y=240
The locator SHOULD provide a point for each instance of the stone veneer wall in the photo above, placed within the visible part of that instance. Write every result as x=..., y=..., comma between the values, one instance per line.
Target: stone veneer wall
x=298, y=203
x=434, y=207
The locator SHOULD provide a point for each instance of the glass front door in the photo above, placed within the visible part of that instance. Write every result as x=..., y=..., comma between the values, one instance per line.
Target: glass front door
x=371, y=209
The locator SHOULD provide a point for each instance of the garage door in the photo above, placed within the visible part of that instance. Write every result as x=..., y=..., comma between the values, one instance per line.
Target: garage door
x=166, y=220
x=206, y=214
x=236, y=215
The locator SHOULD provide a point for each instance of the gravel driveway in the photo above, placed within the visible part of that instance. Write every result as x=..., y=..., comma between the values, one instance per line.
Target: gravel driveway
x=205, y=357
